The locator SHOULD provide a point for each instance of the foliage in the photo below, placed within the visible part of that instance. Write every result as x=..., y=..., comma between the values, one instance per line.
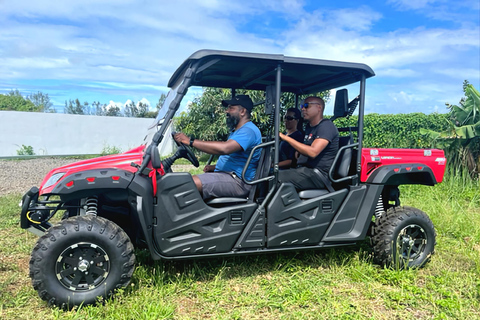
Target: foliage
x=74, y=107
x=42, y=102
x=461, y=139
x=107, y=149
x=25, y=151
x=205, y=118
x=397, y=130
x=14, y=101
x=139, y=110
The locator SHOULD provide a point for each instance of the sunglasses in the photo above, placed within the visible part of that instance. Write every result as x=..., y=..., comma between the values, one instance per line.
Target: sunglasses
x=307, y=104
x=289, y=118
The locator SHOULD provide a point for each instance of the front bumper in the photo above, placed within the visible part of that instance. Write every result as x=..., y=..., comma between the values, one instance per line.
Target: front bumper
x=31, y=207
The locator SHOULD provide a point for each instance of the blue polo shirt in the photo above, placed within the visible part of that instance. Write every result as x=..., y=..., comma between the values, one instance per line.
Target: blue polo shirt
x=248, y=136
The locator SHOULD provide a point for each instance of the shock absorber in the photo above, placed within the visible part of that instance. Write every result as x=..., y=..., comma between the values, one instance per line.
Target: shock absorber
x=91, y=205
x=379, y=210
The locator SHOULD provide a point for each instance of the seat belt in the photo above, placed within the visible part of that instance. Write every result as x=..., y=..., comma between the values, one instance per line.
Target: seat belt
x=326, y=182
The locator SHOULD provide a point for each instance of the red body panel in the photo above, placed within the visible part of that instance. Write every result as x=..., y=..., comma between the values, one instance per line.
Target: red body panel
x=373, y=158
x=119, y=161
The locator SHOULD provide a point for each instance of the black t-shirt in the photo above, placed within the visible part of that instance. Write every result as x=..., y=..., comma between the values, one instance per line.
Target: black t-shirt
x=286, y=150
x=325, y=130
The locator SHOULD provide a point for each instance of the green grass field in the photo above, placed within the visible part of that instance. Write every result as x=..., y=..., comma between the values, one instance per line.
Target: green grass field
x=326, y=284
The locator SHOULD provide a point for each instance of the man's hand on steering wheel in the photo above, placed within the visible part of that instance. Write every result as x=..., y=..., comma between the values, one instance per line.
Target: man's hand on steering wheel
x=180, y=137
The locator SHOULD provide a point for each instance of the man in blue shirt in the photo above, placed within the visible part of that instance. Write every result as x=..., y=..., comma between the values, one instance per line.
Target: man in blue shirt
x=224, y=178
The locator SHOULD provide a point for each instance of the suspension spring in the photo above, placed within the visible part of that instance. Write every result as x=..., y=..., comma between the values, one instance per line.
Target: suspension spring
x=379, y=210
x=91, y=205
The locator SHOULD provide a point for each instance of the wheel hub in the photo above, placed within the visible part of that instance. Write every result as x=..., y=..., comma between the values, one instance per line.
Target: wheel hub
x=411, y=242
x=82, y=266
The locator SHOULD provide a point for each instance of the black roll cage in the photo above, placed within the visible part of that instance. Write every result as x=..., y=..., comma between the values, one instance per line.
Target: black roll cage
x=253, y=71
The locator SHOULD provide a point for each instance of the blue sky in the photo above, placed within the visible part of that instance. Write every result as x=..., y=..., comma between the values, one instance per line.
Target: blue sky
x=116, y=50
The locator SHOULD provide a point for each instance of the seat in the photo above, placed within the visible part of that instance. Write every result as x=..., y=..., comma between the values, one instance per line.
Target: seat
x=339, y=171
x=262, y=171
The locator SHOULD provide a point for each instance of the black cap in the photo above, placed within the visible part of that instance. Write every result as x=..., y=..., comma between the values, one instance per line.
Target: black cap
x=243, y=100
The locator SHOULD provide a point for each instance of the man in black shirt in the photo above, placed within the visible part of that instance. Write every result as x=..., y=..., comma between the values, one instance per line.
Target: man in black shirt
x=318, y=150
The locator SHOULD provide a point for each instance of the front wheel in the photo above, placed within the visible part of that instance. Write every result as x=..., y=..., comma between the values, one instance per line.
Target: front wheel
x=81, y=259
x=403, y=237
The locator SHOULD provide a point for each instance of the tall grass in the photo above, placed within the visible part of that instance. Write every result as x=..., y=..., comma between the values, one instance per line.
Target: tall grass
x=340, y=283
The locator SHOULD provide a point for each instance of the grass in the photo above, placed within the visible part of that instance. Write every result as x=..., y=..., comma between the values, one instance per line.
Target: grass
x=340, y=283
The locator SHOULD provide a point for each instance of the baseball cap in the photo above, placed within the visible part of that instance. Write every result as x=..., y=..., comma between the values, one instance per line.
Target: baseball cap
x=243, y=100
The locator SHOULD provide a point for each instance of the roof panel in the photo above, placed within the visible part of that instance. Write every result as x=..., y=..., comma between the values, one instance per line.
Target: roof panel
x=254, y=71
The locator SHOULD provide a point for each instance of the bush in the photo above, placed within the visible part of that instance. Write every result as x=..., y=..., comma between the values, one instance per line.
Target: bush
x=107, y=149
x=25, y=151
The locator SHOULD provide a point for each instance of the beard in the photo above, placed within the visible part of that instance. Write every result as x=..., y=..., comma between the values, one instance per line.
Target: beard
x=232, y=122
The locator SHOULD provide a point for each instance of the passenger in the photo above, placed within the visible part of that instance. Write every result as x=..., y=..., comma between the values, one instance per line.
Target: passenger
x=318, y=150
x=224, y=178
x=294, y=125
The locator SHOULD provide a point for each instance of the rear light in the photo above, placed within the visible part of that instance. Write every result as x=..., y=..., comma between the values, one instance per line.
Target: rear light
x=69, y=184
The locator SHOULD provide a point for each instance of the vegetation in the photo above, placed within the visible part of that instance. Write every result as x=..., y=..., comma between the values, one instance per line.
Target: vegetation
x=14, y=101
x=132, y=109
x=461, y=140
x=108, y=149
x=205, y=118
x=40, y=102
x=325, y=284
x=25, y=151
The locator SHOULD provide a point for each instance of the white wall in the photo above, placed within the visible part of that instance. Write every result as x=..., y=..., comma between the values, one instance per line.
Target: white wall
x=64, y=134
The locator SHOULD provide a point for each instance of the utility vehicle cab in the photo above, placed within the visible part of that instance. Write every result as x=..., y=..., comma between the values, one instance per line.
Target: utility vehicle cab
x=109, y=206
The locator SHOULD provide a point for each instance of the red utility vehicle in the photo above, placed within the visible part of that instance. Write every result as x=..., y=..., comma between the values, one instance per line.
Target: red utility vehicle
x=112, y=204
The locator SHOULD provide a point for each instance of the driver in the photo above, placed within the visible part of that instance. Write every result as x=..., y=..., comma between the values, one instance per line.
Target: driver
x=224, y=178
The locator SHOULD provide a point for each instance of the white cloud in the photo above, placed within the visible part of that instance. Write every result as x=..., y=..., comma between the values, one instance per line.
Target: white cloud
x=412, y=4
x=127, y=49
x=396, y=73
x=460, y=74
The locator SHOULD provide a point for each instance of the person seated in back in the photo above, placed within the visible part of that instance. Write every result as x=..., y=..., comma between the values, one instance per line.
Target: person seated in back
x=294, y=127
x=224, y=178
x=317, y=151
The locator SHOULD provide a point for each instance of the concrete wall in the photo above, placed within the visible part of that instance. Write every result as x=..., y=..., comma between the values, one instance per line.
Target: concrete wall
x=64, y=134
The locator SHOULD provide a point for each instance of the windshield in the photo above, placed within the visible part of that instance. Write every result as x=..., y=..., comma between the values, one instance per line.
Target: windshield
x=171, y=103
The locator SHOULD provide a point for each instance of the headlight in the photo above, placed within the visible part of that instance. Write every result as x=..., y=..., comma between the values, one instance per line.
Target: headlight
x=53, y=179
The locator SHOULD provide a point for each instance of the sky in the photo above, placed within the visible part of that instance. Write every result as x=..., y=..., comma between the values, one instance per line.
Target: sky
x=113, y=51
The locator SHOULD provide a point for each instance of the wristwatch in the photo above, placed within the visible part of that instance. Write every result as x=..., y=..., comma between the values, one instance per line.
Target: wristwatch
x=191, y=141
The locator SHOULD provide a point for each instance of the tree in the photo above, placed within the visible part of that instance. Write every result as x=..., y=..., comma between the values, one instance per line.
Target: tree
x=462, y=140
x=112, y=110
x=130, y=109
x=142, y=108
x=205, y=118
x=98, y=109
x=161, y=100
x=14, y=101
x=41, y=102
x=74, y=107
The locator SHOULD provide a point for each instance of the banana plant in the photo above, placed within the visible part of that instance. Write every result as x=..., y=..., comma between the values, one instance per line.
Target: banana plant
x=462, y=140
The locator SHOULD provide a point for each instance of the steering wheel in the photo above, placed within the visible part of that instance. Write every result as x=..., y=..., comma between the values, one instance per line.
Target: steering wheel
x=188, y=154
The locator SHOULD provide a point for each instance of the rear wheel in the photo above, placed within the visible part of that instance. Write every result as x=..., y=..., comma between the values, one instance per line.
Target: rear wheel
x=403, y=237
x=80, y=260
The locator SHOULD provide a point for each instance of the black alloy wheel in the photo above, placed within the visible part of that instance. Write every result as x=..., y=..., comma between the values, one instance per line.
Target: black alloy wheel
x=403, y=237
x=81, y=260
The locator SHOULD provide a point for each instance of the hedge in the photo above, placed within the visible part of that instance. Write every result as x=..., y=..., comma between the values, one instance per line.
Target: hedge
x=398, y=130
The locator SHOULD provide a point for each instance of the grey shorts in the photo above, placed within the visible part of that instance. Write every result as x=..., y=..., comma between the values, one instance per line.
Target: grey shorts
x=223, y=184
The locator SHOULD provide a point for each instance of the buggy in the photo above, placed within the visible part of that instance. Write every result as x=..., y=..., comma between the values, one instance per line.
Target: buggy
x=109, y=206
